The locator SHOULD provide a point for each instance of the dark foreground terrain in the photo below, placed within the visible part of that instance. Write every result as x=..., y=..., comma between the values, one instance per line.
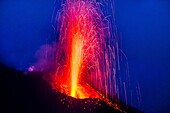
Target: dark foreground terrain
x=29, y=93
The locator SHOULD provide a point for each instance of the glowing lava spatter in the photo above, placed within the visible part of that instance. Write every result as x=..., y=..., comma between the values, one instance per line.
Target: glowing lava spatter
x=86, y=54
x=81, y=41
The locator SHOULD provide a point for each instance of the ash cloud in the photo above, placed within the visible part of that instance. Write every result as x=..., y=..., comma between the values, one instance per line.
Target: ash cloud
x=45, y=58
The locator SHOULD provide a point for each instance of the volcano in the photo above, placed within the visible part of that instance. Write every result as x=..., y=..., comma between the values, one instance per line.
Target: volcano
x=23, y=92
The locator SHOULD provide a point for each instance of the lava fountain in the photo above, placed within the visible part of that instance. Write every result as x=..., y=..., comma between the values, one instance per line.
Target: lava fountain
x=86, y=55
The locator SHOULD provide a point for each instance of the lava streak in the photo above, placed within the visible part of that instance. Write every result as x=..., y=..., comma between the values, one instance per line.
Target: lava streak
x=76, y=62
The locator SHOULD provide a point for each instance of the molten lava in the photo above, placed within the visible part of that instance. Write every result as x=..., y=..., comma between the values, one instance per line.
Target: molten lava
x=85, y=57
x=86, y=52
x=80, y=45
x=76, y=61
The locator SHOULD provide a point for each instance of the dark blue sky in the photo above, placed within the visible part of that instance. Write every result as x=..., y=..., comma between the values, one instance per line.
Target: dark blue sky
x=24, y=26
x=144, y=25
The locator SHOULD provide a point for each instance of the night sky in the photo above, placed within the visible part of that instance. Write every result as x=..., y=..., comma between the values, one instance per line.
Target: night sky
x=144, y=26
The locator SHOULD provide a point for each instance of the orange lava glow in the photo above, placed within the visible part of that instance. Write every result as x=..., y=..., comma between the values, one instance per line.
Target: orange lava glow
x=80, y=43
x=76, y=61
x=84, y=60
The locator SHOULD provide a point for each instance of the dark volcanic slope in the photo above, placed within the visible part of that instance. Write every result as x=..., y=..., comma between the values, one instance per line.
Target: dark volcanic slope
x=20, y=93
